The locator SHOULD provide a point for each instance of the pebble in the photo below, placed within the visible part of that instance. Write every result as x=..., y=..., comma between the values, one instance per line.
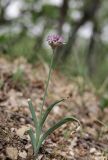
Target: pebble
x=92, y=150
x=22, y=154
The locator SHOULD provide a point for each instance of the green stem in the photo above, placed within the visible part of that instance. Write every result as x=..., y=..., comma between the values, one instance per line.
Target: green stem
x=47, y=83
x=44, y=97
x=38, y=135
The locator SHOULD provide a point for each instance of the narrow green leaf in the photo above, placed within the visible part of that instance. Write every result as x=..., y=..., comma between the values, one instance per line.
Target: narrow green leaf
x=33, y=139
x=57, y=125
x=45, y=115
x=32, y=110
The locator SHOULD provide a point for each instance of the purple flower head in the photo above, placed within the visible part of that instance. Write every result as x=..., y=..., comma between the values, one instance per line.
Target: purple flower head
x=55, y=40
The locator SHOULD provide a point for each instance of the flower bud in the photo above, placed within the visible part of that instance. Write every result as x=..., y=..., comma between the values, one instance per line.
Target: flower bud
x=55, y=41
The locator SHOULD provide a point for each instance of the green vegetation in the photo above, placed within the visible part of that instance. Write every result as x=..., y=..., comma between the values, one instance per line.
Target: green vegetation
x=19, y=78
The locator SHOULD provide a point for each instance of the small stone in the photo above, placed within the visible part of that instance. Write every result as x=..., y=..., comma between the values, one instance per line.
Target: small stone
x=22, y=120
x=12, y=129
x=22, y=154
x=40, y=157
x=28, y=146
x=20, y=132
x=92, y=150
x=12, y=152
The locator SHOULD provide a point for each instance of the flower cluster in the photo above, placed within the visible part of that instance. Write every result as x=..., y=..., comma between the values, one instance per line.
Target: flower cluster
x=55, y=41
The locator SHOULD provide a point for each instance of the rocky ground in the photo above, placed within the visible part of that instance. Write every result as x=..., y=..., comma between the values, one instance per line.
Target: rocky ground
x=20, y=81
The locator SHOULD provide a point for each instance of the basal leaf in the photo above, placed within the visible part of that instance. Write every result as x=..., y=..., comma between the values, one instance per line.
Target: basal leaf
x=45, y=115
x=32, y=110
x=57, y=125
x=33, y=139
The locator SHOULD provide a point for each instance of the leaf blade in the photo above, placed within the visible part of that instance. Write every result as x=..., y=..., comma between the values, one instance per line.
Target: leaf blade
x=57, y=125
x=32, y=110
x=33, y=139
x=48, y=111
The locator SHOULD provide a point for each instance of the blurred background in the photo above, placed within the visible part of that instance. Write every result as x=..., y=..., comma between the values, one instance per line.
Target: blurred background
x=25, y=25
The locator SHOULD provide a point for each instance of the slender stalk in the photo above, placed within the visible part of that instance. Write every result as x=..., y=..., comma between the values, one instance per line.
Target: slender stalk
x=44, y=97
x=47, y=83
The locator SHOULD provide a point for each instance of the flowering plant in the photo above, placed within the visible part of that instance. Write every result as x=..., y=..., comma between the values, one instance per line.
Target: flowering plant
x=37, y=138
